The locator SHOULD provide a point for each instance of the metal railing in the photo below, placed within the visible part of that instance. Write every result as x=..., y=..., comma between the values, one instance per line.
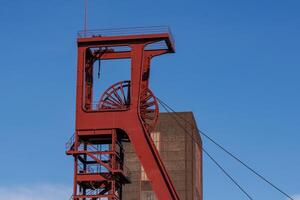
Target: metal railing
x=70, y=142
x=124, y=31
x=88, y=169
x=128, y=31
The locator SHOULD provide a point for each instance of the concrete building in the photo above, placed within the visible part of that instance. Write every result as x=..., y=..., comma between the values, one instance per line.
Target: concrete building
x=180, y=150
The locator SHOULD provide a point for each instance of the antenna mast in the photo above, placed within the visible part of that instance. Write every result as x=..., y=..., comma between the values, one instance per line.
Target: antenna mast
x=85, y=16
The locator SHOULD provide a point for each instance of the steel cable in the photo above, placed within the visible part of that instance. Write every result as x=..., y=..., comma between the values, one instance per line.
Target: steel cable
x=211, y=158
x=227, y=174
x=168, y=109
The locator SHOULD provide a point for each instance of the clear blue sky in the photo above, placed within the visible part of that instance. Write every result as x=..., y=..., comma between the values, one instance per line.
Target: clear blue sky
x=236, y=67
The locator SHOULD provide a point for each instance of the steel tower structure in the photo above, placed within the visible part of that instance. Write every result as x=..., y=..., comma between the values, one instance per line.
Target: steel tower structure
x=126, y=112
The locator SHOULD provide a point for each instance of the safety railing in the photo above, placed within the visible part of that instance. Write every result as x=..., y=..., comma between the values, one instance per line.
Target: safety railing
x=127, y=32
x=104, y=156
x=70, y=142
x=85, y=170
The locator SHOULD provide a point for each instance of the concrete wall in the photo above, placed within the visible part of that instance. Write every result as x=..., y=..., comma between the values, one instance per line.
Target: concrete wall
x=177, y=149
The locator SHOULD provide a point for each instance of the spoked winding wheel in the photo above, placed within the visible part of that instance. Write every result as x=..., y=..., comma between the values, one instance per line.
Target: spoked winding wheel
x=117, y=96
x=148, y=109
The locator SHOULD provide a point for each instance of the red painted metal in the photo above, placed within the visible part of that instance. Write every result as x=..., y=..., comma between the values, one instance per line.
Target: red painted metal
x=127, y=111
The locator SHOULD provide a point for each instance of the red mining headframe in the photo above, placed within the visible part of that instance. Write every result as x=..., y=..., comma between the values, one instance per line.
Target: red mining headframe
x=126, y=112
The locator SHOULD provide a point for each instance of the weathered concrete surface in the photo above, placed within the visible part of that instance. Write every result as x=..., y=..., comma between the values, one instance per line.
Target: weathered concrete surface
x=180, y=151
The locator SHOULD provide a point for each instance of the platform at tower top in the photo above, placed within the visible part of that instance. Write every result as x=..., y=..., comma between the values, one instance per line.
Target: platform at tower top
x=162, y=34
